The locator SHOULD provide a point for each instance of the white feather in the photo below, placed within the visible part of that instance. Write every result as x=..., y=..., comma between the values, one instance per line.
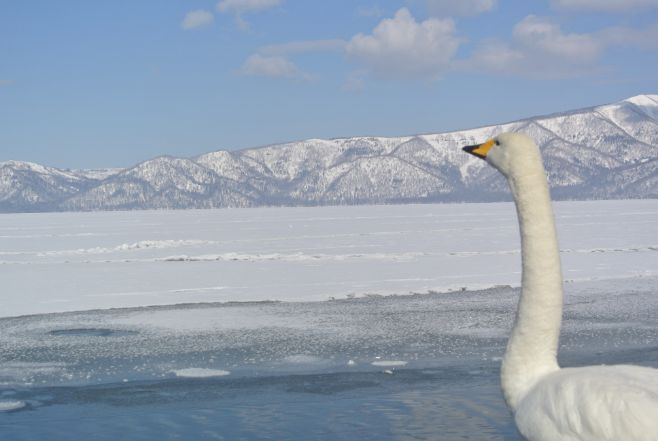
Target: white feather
x=594, y=403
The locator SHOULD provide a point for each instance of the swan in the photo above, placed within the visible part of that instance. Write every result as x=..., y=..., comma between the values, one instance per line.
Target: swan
x=549, y=403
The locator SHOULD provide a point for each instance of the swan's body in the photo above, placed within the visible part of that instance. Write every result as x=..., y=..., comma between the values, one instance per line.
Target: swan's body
x=597, y=403
x=591, y=403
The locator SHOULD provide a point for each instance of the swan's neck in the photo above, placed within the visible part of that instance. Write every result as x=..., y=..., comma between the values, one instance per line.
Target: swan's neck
x=532, y=347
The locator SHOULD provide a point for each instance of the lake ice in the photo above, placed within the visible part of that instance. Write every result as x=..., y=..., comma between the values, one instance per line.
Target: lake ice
x=56, y=262
x=377, y=322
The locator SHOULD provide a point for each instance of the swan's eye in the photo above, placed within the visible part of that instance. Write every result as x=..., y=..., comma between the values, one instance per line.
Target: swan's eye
x=497, y=142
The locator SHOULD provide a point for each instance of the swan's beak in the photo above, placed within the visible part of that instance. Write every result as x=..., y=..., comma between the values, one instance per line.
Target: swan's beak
x=480, y=150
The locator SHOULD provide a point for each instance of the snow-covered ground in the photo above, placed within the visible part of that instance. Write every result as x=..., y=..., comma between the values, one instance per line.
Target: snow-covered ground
x=56, y=262
x=388, y=322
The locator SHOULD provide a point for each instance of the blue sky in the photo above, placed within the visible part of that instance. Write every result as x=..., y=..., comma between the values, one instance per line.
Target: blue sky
x=87, y=84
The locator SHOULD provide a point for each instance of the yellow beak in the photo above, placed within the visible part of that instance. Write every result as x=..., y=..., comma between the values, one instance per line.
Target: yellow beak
x=480, y=150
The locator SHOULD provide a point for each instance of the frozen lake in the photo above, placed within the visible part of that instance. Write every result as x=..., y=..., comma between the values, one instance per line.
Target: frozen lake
x=56, y=262
x=409, y=347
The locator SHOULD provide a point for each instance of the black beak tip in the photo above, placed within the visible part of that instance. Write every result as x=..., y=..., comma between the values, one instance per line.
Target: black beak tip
x=471, y=149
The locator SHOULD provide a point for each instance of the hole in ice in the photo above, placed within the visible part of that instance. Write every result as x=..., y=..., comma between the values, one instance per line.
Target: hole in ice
x=91, y=332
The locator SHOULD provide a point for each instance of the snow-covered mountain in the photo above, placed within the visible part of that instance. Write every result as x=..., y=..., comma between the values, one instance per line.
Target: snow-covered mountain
x=609, y=151
x=25, y=186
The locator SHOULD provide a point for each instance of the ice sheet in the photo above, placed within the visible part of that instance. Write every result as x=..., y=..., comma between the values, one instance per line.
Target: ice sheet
x=55, y=262
x=604, y=322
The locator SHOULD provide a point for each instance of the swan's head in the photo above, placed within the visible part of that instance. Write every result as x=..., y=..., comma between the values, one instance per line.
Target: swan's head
x=510, y=153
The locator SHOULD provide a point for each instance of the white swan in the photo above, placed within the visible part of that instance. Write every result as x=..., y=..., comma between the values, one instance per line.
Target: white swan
x=597, y=403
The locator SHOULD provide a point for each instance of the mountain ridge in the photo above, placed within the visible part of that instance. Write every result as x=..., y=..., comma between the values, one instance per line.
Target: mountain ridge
x=606, y=151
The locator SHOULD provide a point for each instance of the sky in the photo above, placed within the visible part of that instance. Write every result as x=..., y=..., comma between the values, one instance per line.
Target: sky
x=94, y=84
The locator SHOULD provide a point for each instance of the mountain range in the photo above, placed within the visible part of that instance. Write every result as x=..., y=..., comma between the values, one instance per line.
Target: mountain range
x=602, y=152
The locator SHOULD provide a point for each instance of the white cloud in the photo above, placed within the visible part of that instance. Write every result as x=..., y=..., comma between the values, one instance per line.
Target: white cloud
x=197, y=19
x=461, y=8
x=540, y=49
x=401, y=47
x=6, y=82
x=495, y=56
x=272, y=66
x=542, y=35
x=245, y=6
x=271, y=61
x=621, y=36
x=605, y=5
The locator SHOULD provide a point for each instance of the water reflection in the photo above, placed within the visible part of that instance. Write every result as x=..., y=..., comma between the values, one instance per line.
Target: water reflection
x=448, y=403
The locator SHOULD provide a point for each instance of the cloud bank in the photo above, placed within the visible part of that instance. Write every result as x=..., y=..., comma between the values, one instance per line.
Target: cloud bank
x=404, y=48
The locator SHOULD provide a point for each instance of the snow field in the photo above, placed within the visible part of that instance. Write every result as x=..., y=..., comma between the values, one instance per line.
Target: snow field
x=57, y=262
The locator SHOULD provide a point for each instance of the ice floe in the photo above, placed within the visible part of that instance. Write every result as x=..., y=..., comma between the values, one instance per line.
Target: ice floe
x=8, y=406
x=200, y=373
x=389, y=363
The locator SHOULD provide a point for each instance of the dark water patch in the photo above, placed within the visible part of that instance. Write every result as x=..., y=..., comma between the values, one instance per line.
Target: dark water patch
x=139, y=393
x=91, y=332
